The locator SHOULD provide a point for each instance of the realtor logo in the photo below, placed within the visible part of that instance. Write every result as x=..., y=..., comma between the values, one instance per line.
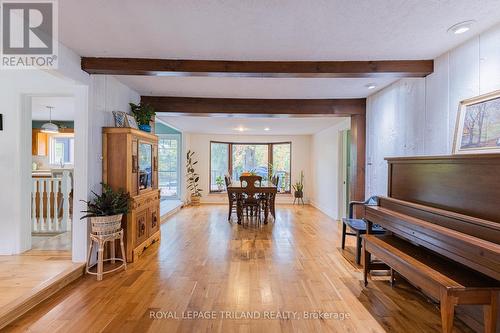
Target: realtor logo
x=29, y=34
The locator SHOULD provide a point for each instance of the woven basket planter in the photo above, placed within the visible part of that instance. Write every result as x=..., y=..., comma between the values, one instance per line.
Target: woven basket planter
x=195, y=200
x=105, y=225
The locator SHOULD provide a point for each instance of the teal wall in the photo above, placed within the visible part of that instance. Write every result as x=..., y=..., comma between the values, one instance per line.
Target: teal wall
x=161, y=128
x=62, y=124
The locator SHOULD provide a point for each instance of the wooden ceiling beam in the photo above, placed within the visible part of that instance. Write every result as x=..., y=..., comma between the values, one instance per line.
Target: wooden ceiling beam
x=267, y=69
x=230, y=107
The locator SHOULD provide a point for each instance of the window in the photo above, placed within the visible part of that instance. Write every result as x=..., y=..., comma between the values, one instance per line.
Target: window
x=62, y=149
x=261, y=158
x=219, y=165
x=168, y=165
x=281, y=165
x=254, y=158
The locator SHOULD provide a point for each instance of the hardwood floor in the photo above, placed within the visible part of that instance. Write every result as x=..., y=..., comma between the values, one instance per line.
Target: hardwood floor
x=204, y=263
x=29, y=278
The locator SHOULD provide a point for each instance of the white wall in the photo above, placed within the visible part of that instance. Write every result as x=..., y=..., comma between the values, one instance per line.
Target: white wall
x=95, y=98
x=107, y=95
x=16, y=87
x=200, y=144
x=418, y=116
x=325, y=169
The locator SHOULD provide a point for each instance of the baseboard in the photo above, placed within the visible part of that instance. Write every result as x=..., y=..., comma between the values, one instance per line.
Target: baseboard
x=23, y=304
x=318, y=207
x=174, y=211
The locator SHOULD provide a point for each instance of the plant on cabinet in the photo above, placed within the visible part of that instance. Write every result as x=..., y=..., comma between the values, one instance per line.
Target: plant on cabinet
x=143, y=114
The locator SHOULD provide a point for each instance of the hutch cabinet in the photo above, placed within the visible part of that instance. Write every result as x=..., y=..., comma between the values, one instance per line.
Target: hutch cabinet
x=130, y=162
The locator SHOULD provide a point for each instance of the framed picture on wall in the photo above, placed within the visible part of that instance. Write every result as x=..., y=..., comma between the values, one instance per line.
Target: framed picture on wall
x=478, y=125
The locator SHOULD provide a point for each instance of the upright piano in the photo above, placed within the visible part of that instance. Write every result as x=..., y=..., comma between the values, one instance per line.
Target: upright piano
x=442, y=214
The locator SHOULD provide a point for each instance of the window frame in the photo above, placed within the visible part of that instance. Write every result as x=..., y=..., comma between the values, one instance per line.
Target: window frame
x=71, y=149
x=178, y=138
x=230, y=160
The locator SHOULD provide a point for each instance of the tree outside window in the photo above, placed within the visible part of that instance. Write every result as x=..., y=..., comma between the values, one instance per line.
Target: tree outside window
x=263, y=159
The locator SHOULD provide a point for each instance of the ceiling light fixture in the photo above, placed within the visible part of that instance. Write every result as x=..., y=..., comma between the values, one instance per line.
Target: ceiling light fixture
x=240, y=129
x=50, y=127
x=371, y=86
x=461, y=27
x=267, y=129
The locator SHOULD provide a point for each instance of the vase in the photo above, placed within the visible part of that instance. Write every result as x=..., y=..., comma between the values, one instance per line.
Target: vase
x=145, y=128
x=298, y=194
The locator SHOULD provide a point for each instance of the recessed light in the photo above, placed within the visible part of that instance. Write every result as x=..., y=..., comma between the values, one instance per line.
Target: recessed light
x=240, y=129
x=371, y=86
x=461, y=27
x=267, y=129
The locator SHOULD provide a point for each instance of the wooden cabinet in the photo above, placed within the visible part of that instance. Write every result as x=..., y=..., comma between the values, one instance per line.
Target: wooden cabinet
x=130, y=162
x=39, y=143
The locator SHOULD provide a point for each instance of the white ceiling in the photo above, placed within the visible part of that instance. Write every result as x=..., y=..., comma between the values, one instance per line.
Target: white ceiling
x=253, y=87
x=267, y=30
x=251, y=126
x=64, y=108
x=271, y=29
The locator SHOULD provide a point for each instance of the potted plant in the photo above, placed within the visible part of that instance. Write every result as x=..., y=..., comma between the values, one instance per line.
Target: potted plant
x=106, y=210
x=143, y=114
x=298, y=187
x=193, y=179
x=219, y=181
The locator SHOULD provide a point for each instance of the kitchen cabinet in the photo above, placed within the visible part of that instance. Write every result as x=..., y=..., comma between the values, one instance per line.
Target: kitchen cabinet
x=39, y=143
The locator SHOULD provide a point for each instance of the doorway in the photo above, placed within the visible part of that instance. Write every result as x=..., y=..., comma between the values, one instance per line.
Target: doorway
x=52, y=172
x=345, y=165
x=169, y=166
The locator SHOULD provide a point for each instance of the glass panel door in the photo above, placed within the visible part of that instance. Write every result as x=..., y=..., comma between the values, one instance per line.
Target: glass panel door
x=168, y=165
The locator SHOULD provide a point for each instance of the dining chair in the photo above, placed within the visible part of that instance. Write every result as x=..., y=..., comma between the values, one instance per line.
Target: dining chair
x=358, y=226
x=231, y=197
x=276, y=181
x=250, y=199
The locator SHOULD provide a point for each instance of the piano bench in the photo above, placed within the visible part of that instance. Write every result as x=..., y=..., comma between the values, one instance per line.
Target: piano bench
x=359, y=228
x=442, y=279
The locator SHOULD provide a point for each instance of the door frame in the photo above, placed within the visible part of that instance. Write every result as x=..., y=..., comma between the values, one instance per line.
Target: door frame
x=79, y=231
x=177, y=137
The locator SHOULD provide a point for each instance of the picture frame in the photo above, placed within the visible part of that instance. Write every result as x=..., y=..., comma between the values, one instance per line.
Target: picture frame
x=120, y=119
x=123, y=119
x=132, y=123
x=477, y=129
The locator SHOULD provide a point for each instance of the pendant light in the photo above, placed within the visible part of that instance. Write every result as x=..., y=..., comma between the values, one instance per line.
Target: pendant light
x=50, y=127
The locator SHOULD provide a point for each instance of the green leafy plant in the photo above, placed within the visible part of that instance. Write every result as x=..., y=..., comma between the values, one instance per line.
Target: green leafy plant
x=299, y=186
x=219, y=181
x=192, y=177
x=143, y=113
x=108, y=203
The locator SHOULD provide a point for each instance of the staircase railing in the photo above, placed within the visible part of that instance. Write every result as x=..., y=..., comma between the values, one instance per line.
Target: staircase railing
x=50, y=204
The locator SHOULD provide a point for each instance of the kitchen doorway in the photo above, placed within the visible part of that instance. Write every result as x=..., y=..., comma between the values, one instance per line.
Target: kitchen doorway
x=52, y=172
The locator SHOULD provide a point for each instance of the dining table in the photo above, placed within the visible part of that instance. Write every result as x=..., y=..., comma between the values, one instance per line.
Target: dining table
x=266, y=190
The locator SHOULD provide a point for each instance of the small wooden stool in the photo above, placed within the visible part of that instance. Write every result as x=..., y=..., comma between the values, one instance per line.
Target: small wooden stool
x=101, y=234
